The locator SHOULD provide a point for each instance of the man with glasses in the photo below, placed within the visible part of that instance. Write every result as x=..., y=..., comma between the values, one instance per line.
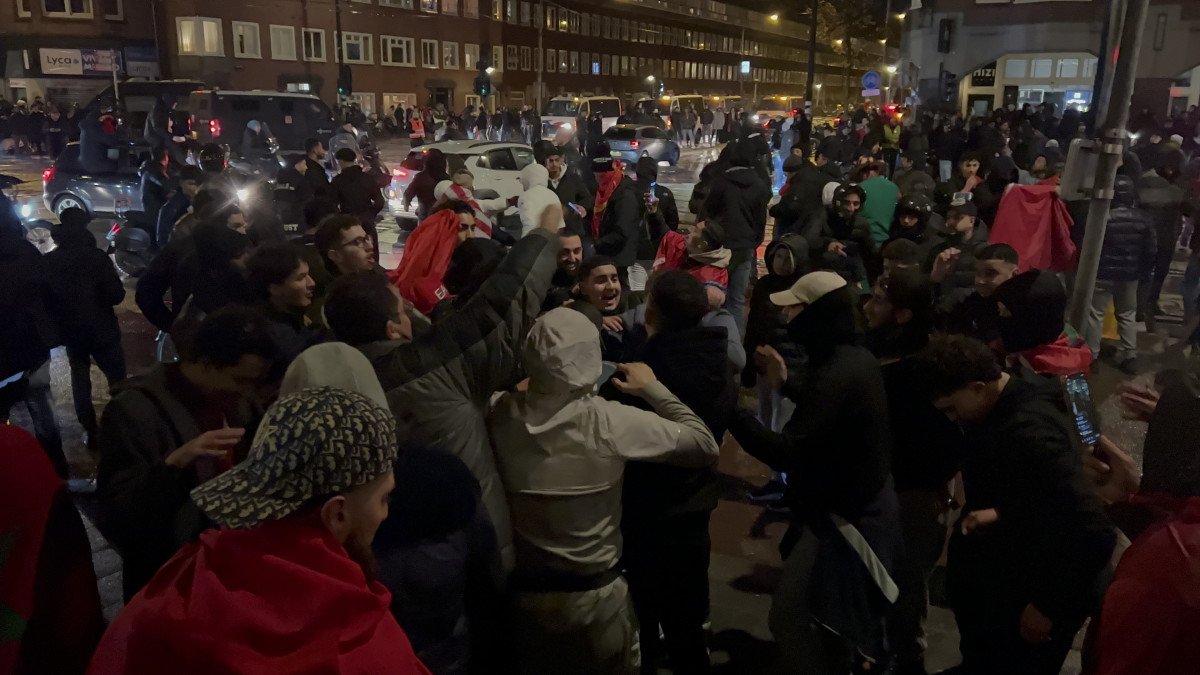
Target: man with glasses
x=345, y=245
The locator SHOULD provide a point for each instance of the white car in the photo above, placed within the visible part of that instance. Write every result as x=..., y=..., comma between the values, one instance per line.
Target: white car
x=496, y=166
x=564, y=111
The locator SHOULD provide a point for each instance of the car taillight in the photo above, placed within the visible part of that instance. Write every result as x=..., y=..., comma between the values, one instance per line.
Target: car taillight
x=214, y=128
x=116, y=228
x=401, y=173
x=47, y=175
x=635, y=144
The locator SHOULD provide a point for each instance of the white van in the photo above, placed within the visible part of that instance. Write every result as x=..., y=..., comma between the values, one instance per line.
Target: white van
x=562, y=111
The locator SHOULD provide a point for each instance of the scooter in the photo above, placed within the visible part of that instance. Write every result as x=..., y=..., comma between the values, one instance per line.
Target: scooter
x=131, y=243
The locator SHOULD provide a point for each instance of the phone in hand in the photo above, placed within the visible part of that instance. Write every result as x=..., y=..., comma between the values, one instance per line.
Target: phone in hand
x=1083, y=409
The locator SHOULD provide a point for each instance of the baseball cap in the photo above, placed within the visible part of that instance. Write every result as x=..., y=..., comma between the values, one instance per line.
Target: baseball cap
x=809, y=288
x=314, y=442
x=966, y=208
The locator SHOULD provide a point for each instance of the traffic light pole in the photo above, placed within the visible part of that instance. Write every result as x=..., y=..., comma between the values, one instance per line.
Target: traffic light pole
x=1112, y=146
x=540, y=59
x=337, y=19
x=812, y=59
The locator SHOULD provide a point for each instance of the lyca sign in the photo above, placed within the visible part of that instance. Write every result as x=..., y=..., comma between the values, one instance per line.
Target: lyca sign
x=80, y=61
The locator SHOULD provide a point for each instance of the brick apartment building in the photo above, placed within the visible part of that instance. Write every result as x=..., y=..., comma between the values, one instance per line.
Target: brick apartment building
x=65, y=50
x=425, y=51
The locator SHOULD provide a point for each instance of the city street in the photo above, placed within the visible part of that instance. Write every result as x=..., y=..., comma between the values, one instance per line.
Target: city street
x=745, y=562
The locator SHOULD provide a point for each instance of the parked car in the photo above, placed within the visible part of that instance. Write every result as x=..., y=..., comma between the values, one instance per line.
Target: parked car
x=66, y=184
x=138, y=97
x=496, y=166
x=629, y=142
x=564, y=111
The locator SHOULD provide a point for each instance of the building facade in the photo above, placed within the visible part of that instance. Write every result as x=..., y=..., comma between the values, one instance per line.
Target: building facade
x=1002, y=52
x=405, y=52
x=66, y=50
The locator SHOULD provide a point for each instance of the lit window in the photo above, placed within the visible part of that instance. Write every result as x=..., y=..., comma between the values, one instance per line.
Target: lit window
x=513, y=58
x=429, y=6
x=471, y=9
x=1042, y=68
x=470, y=56
x=449, y=6
x=402, y=4
x=1014, y=68
x=283, y=43
x=1068, y=68
x=526, y=58
x=199, y=36
x=450, y=55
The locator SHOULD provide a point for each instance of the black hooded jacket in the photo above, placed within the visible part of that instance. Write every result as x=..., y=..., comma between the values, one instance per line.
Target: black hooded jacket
x=765, y=324
x=652, y=226
x=836, y=446
x=1130, y=242
x=84, y=287
x=357, y=194
x=28, y=330
x=423, y=183
x=801, y=199
x=1036, y=302
x=738, y=200
x=619, y=225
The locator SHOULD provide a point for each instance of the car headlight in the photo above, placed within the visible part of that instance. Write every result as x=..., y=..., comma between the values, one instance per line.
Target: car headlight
x=754, y=118
x=568, y=126
x=26, y=210
x=243, y=194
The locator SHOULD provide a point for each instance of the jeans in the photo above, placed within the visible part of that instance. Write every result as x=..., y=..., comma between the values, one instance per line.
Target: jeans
x=1123, y=295
x=111, y=359
x=945, y=167
x=805, y=648
x=34, y=390
x=741, y=267
x=890, y=157
x=777, y=161
x=688, y=137
x=706, y=133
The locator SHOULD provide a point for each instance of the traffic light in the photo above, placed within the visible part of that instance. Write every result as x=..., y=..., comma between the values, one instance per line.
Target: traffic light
x=483, y=85
x=949, y=87
x=345, y=81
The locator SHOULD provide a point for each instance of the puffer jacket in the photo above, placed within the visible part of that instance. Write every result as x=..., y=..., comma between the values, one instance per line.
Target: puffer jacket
x=439, y=384
x=738, y=200
x=1163, y=202
x=1130, y=244
x=561, y=451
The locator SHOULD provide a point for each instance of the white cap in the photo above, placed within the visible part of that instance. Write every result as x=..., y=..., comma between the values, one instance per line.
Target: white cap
x=809, y=288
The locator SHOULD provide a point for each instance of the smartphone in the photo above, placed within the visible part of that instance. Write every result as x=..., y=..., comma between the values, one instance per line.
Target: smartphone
x=1079, y=398
x=653, y=185
x=961, y=197
x=607, y=370
x=573, y=207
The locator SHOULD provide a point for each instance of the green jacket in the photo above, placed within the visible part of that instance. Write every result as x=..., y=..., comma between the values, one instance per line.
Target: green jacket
x=880, y=206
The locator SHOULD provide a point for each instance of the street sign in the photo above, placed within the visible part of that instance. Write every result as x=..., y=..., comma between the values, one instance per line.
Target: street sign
x=870, y=80
x=870, y=92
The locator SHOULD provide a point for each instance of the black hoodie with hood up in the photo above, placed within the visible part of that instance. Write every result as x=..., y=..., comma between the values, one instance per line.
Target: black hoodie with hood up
x=738, y=200
x=765, y=324
x=652, y=226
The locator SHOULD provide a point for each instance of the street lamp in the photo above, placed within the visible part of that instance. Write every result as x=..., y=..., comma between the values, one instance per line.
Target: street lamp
x=490, y=70
x=817, y=86
x=649, y=78
x=774, y=17
x=838, y=42
x=891, y=70
x=902, y=16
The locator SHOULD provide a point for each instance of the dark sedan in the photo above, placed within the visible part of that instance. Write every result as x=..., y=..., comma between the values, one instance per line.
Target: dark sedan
x=629, y=142
x=66, y=184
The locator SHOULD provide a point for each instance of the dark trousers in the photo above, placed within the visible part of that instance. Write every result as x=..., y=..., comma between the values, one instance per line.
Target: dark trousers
x=111, y=359
x=667, y=569
x=1162, y=266
x=924, y=537
x=742, y=267
x=34, y=391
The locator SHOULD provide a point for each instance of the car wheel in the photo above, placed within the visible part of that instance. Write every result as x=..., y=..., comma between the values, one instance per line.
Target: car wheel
x=68, y=202
x=674, y=158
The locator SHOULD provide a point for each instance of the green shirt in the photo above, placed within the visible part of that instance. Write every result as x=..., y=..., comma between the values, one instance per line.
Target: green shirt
x=880, y=206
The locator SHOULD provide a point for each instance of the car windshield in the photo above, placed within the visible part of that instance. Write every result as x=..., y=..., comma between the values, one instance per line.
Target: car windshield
x=561, y=109
x=772, y=104
x=607, y=107
x=621, y=134
x=650, y=107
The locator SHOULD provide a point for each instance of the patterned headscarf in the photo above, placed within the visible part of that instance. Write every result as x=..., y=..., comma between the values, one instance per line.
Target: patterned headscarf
x=321, y=441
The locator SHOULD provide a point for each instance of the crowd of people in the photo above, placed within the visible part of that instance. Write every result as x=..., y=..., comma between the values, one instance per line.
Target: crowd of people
x=501, y=455
x=38, y=128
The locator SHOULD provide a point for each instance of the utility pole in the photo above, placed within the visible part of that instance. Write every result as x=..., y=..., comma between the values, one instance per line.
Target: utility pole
x=541, y=58
x=741, y=75
x=337, y=32
x=812, y=58
x=1111, y=144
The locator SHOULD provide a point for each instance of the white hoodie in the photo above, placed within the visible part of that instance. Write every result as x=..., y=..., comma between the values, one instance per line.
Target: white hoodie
x=537, y=196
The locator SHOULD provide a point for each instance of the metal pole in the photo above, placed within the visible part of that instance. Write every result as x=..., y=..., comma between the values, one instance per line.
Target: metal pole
x=741, y=57
x=812, y=57
x=1114, y=19
x=1112, y=140
x=541, y=57
x=116, y=87
x=337, y=18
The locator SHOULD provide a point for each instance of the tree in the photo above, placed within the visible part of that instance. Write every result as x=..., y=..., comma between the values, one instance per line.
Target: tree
x=849, y=25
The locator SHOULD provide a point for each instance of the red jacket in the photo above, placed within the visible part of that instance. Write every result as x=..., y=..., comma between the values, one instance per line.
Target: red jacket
x=283, y=597
x=1150, y=624
x=1034, y=221
x=672, y=255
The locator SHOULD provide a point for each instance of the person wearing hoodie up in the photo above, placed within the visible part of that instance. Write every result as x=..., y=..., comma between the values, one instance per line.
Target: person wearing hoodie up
x=829, y=610
x=84, y=289
x=537, y=196
x=1027, y=558
x=800, y=196
x=738, y=200
x=614, y=222
x=561, y=452
x=1033, y=333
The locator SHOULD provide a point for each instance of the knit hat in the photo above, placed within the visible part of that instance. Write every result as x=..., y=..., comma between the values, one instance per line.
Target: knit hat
x=314, y=442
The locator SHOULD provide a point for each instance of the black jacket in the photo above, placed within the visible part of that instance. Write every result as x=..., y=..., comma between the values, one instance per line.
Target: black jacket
x=168, y=215
x=1130, y=244
x=960, y=282
x=159, y=278
x=317, y=178
x=571, y=190
x=156, y=191
x=765, y=324
x=915, y=181
x=738, y=200
x=85, y=286
x=94, y=145
x=357, y=194
x=619, y=225
x=292, y=192
x=145, y=509
x=1163, y=202
x=652, y=226
x=976, y=316
x=1052, y=540
x=694, y=365
x=28, y=330
x=801, y=199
